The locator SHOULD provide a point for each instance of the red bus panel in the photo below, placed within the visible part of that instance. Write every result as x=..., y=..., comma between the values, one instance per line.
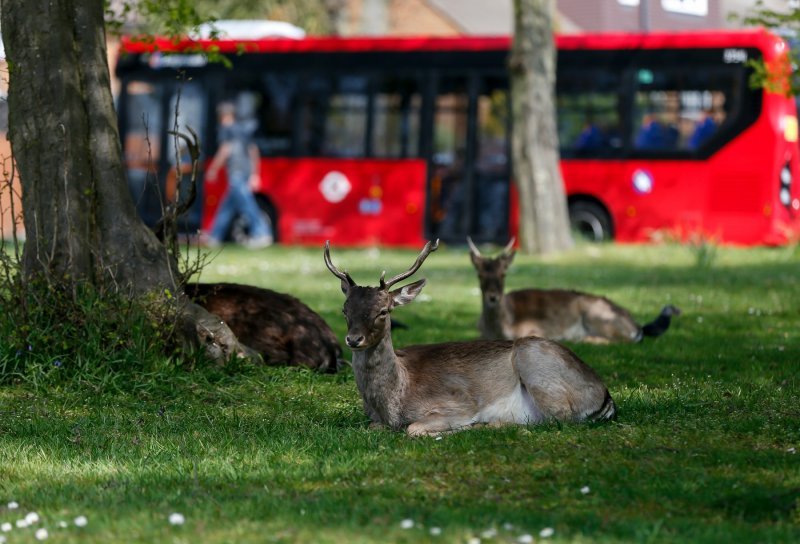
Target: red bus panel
x=349, y=202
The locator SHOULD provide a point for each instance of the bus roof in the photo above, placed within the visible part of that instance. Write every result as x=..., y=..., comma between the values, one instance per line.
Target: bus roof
x=758, y=38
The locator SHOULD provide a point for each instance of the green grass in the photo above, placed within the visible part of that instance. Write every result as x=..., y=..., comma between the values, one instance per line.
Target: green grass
x=702, y=450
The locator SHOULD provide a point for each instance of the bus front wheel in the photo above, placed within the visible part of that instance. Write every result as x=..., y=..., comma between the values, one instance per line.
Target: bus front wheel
x=590, y=220
x=240, y=229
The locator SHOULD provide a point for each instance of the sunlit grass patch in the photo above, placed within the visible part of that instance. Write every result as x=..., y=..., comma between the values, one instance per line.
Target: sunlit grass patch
x=704, y=448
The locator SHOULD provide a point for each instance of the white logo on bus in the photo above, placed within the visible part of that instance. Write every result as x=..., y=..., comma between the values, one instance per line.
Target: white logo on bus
x=642, y=181
x=335, y=187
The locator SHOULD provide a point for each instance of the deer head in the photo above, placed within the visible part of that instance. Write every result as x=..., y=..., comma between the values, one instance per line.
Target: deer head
x=367, y=309
x=492, y=271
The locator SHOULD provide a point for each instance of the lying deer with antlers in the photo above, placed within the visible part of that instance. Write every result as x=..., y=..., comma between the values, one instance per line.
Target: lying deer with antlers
x=280, y=327
x=557, y=314
x=435, y=388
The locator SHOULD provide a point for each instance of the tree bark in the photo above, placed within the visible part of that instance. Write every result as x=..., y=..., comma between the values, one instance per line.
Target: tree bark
x=544, y=221
x=80, y=222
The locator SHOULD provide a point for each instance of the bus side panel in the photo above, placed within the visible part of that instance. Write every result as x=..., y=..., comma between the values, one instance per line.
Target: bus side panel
x=349, y=202
x=733, y=197
x=652, y=201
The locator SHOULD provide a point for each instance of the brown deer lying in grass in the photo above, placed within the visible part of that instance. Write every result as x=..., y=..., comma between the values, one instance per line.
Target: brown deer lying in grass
x=557, y=314
x=435, y=388
x=280, y=327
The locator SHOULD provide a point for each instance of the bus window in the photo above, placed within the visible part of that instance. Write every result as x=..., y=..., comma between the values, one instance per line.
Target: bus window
x=266, y=101
x=346, y=118
x=676, y=111
x=277, y=114
x=492, y=167
x=396, y=119
x=142, y=147
x=589, y=112
x=449, y=154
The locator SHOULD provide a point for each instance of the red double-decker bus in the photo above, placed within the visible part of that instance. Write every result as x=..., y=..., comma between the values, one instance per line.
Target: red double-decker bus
x=393, y=141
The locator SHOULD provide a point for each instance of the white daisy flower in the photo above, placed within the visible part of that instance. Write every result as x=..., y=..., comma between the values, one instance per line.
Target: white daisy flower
x=32, y=518
x=407, y=524
x=6, y=527
x=489, y=533
x=63, y=524
x=21, y=523
x=81, y=521
x=525, y=539
x=585, y=490
x=176, y=519
x=41, y=534
x=436, y=531
x=13, y=505
x=547, y=532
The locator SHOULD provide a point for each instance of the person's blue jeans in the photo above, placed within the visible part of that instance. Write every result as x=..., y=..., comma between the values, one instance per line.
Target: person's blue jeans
x=239, y=199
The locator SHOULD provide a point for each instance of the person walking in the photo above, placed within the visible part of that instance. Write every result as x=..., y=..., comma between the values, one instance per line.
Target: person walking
x=239, y=153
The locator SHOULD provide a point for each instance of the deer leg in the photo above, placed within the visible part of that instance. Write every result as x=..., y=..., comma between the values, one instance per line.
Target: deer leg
x=438, y=424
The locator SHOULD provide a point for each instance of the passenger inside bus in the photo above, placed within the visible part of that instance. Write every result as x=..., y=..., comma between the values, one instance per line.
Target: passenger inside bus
x=703, y=130
x=590, y=138
x=655, y=134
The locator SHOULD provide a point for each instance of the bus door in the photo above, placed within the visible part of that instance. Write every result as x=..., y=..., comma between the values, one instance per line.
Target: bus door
x=470, y=167
x=149, y=111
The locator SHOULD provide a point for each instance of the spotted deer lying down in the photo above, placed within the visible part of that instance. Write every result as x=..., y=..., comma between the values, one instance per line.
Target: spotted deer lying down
x=557, y=314
x=279, y=326
x=434, y=388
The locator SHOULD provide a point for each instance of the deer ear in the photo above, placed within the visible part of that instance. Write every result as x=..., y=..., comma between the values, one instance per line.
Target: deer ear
x=508, y=258
x=345, y=287
x=407, y=293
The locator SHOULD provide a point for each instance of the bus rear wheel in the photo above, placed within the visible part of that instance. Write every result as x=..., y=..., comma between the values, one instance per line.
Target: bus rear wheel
x=240, y=229
x=590, y=220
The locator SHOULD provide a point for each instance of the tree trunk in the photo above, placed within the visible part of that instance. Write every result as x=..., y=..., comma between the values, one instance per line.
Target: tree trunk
x=544, y=221
x=80, y=222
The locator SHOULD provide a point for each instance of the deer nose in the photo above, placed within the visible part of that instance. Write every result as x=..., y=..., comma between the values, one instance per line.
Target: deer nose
x=354, y=342
x=493, y=299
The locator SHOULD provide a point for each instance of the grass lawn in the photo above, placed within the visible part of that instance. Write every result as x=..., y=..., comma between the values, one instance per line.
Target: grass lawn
x=703, y=450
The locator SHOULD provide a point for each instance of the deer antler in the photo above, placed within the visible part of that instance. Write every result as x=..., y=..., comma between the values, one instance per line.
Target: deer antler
x=509, y=245
x=344, y=276
x=473, y=248
x=429, y=247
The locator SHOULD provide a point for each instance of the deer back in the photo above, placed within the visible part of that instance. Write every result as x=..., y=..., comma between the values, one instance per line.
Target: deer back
x=561, y=314
x=279, y=326
x=557, y=314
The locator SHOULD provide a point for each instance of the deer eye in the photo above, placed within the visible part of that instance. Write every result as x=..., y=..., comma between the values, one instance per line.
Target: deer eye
x=383, y=313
